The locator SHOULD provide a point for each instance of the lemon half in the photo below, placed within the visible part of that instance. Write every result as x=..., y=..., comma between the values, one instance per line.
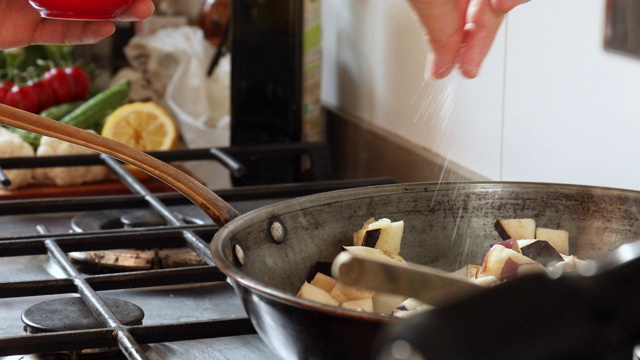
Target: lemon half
x=144, y=126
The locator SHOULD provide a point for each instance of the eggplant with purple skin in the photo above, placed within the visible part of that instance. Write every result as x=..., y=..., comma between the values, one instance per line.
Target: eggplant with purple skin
x=371, y=237
x=410, y=307
x=559, y=239
x=317, y=294
x=380, y=234
x=542, y=252
x=516, y=228
x=325, y=289
x=507, y=264
x=511, y=244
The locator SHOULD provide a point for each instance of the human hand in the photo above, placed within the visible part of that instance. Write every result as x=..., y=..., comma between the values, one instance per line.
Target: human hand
x=21, y=25
x=460, y=32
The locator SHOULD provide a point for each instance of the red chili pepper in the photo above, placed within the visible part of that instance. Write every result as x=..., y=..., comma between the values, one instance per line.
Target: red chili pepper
x=80, y=80
x=22, y=97
x=5, y=87
x=57, y=80
x=57, y=86
x=43, y=93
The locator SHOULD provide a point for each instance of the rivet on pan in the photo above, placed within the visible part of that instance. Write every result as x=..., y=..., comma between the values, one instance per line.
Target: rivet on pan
x=239, y=254
x=277, y=232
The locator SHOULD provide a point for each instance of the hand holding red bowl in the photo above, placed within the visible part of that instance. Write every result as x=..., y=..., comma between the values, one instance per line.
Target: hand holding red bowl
x=81, y=9
x=23, y=25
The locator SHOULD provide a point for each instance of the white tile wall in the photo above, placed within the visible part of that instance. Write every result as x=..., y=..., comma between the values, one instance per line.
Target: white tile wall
x=550, y=104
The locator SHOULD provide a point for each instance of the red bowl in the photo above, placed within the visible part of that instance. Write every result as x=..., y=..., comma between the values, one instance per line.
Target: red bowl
x=81, y=9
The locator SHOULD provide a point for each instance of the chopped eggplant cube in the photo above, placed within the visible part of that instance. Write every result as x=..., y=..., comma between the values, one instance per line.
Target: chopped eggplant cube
x=515, y=228
x=371, y=237
x=510, y=244
x=542, y=252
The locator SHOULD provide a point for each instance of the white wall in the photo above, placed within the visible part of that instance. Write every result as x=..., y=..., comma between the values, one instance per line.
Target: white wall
x=550, y=104
x=571, y=108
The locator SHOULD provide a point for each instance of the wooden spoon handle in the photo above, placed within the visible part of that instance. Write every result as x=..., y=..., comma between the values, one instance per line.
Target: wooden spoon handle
x=217, y=209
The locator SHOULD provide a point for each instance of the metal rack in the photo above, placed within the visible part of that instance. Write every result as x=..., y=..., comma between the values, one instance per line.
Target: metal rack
x=129, y=339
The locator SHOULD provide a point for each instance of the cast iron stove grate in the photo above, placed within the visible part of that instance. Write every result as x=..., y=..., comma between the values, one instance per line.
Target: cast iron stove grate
x=131, y=340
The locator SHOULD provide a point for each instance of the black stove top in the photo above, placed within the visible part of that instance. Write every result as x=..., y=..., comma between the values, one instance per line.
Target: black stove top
x=187, y=310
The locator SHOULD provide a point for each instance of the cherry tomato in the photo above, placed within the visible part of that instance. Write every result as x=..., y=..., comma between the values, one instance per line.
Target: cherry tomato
x=43, y=93
x=22, y=97
x=57, y=80
x=80, y=80
x=5, y=87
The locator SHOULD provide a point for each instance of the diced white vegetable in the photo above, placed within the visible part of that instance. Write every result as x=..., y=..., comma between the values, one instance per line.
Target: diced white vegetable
x=354, y=293
x=324, y=282
x=524, y=242
x=358, y=236
x=468, y=271
x=378, y=254
x=511, y=244
x=505, y=264
x=403, y=314
x=339, y=295
x=391, y=237
x=385, y=303
x=572, y=263
x=516, y=228
x=359, y=305
x=310, y=292
x=410, y=307
x=559, y=239
x=411, y=304
x=523, y=250
x=381, y=234
x=486, y=280
x=584, y=266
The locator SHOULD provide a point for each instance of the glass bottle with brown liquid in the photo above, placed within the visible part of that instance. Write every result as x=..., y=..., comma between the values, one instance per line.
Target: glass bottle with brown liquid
x=268, y=82
x=214, y=19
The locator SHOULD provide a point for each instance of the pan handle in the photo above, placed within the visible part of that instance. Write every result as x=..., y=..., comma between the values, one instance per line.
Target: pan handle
x=217, y=209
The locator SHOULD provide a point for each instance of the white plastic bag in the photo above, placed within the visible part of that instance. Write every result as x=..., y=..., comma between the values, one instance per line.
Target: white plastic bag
x=173, y=63
x=170, y=67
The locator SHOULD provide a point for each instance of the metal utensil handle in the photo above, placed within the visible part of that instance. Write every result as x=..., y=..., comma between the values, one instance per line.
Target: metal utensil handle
x=217, y=209
x=430, y=285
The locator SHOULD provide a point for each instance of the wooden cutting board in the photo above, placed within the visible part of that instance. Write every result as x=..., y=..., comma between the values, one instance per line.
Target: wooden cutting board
x=95, y=189
x=107, y=187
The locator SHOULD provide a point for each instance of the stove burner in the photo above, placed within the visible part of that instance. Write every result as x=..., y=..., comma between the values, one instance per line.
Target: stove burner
x=127, y=218
x=106, y=261
x=72, y=314
x=135, y=259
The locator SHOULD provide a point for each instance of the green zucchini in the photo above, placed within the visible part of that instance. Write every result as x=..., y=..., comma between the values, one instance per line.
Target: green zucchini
x=88, y=115
x=91, y=114
x=57, y=112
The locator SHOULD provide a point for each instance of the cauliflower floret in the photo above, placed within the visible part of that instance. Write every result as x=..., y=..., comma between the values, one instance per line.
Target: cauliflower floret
x=72, y=175
x=12, y=145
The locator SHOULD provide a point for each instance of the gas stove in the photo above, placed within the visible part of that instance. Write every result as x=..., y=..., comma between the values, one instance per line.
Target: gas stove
x=129, y=276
